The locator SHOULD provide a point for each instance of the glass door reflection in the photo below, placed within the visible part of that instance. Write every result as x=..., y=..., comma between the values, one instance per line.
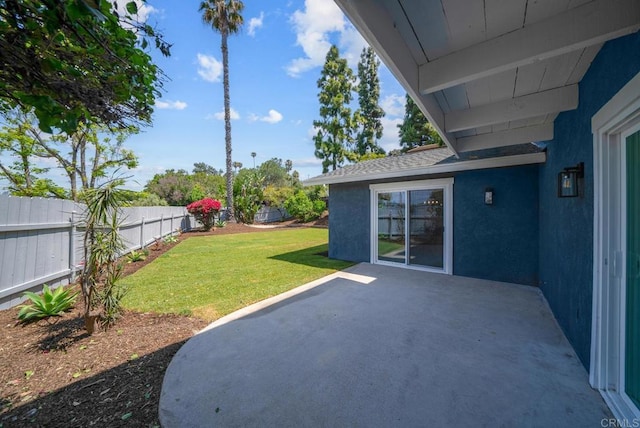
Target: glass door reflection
x=391, y=227
x=426, y=228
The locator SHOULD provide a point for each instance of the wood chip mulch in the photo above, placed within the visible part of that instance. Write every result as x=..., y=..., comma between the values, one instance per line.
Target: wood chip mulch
x=53, y=374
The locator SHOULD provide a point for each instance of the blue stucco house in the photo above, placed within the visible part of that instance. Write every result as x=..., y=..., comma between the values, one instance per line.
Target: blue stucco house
x=539, y=183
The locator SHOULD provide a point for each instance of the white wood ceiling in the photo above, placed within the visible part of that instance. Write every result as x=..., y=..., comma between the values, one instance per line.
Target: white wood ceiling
x=491, y=73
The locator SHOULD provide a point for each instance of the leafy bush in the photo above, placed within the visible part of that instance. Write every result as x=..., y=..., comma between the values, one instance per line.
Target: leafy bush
x=276, y=197
x=51, y=303
x=205, y=211
x=319, y=207
x=304, y=209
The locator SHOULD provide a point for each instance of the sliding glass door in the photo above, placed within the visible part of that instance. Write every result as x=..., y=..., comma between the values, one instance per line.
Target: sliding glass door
x=426, y=228
x=410, y=222
x=391, y=227
x=632, y=289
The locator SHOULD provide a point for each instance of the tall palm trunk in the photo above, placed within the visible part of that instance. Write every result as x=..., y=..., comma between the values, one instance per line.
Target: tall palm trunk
x=227, y=123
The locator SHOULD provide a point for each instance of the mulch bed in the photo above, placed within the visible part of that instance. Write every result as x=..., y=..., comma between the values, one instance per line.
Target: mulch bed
x=53, y=374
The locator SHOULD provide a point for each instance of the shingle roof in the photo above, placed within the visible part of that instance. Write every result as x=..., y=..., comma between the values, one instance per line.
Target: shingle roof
x=440, y=160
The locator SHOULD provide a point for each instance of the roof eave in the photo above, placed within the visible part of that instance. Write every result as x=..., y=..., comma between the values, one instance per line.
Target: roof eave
x=497, y=162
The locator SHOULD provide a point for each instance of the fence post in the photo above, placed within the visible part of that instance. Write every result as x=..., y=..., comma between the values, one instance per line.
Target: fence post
x=142, y=233
x=72, y=247
x=161, y=224
x=172, y=215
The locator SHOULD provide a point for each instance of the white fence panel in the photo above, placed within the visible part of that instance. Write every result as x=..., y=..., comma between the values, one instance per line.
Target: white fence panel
x=41, y=240
x=35, y=243
x=268, y=214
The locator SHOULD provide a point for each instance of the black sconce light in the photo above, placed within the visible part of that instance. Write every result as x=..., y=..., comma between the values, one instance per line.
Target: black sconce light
x=569, y=181
x=488, y=196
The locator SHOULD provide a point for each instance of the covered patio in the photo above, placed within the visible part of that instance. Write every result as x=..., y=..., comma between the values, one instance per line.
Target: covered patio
x=384, y=346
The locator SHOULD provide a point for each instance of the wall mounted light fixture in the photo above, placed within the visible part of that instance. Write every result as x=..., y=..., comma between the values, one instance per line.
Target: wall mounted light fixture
x=488, y=196
x=569, y=181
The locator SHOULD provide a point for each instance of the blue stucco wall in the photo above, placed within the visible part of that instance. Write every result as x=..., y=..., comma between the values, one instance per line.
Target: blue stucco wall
x=497, y=242
x=349, y=222
x=566, y=225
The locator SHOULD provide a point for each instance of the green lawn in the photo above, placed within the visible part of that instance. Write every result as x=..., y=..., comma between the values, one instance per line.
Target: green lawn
x=212, y=276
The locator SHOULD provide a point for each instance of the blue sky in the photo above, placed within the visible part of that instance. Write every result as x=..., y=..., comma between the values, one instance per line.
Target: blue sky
x=275, y=62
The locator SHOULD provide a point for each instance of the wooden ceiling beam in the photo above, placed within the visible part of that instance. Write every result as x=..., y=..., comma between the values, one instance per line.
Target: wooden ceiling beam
x=525, y=107
x=588, y=24
x=508, y=137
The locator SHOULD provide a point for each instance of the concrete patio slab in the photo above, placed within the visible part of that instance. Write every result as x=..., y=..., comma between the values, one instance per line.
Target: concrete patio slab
x=379, y=346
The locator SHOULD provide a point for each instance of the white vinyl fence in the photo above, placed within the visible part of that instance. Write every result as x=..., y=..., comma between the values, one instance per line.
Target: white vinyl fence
x=41, y=240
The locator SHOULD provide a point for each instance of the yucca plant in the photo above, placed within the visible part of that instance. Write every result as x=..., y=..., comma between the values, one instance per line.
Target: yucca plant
x=220, y=223
x=50, y=303
x=102, y=246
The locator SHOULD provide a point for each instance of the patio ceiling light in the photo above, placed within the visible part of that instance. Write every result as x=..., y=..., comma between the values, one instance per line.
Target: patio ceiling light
x=569, y=181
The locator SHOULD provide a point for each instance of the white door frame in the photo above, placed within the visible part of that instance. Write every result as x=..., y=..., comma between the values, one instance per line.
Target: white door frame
x=610, y=126
x=444, y=183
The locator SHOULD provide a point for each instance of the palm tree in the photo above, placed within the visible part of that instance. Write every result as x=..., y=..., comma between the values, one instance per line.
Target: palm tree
x=225, y=17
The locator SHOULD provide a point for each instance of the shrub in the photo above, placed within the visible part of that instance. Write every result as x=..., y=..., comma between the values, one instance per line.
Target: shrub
x=319, y=206
x=247, y=195
x=137, y=256
x=205, y=211
x=301, y=207
x=171, y=239
x=51, y=303
x=276, y=197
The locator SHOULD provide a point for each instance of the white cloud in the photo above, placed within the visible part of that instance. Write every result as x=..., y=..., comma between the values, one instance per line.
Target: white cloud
x=274, y=116
x=393, y=105
x=171, y=105
x=255, y=23
x=312, y=132
x=299, y=163
x=144, y=11
x=210, y=69
x=220, y=115
x=390, y=140
x=313, y=26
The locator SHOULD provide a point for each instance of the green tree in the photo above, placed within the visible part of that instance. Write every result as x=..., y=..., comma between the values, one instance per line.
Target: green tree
x=336, y=125
x=23, y=175
x=225, y=17
x=88, y=156
x=415, y=130
x=179, y=188
x=201, y=167
x=274, y=173
x=172, y=186
x=369, y=115
x=77, y=60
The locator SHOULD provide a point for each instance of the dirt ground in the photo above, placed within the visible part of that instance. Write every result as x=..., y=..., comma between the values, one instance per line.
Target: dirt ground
x=53, y=374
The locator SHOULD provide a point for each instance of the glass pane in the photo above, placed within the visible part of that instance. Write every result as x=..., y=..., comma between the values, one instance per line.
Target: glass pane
x=632, y=354
x=426, y=231
x=391, y=242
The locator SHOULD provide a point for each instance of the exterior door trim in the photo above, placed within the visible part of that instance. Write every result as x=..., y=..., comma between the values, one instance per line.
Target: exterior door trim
x=444, y=183
x=610, y=125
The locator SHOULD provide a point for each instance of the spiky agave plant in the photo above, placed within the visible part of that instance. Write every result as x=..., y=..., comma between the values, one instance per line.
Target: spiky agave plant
x=50, y=303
